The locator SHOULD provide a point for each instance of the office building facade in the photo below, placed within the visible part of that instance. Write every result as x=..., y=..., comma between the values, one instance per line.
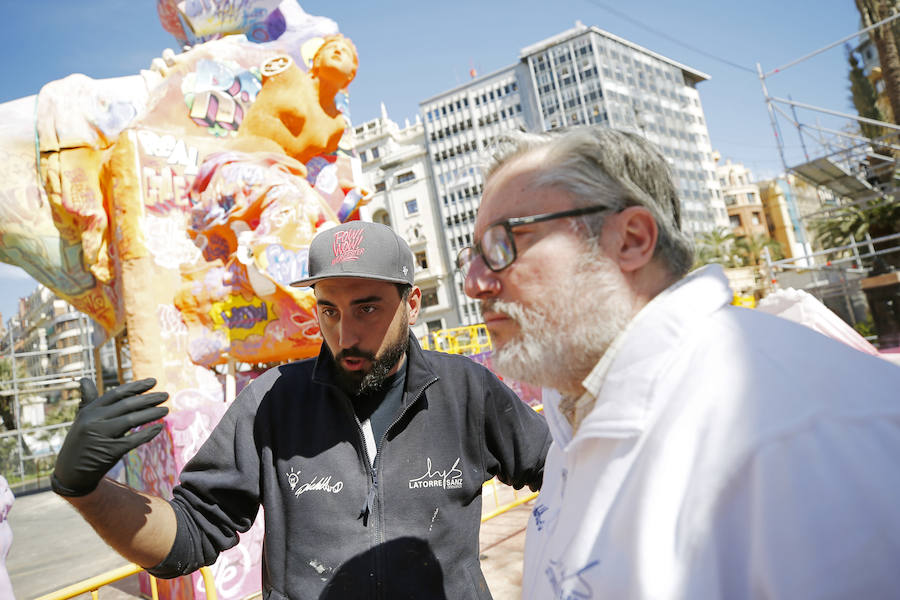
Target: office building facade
x=581, y=76
x=395, y=166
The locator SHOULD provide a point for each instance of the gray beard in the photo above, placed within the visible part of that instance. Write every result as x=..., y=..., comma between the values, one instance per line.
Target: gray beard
x=561, y=339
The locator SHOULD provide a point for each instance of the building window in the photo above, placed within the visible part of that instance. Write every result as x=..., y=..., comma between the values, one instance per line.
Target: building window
x=429, y=297
x=404, y=177
x=735, y=221
x=375, y=152
x=755, y=218
x=412, y=206
x=422, y=259
x=382, y=216
x=379, y=187
x=751, y=198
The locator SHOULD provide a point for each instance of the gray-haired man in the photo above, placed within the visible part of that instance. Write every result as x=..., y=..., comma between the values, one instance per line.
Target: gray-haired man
x=700, y=450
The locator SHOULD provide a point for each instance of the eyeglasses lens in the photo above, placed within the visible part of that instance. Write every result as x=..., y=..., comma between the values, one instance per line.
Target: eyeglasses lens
x=497, y=247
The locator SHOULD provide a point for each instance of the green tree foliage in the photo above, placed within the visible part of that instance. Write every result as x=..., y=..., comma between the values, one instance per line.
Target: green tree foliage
x=750, y=249
x=874, y=11
x=878, y=218
x=716, y=246
x=8, y=446
x=7, y=411
x=864, y=97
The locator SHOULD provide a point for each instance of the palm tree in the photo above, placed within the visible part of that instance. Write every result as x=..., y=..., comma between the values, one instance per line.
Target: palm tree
x=750, y=249
x=864, y=97
x=879, y=217
x=716, y=246
x=871, y=12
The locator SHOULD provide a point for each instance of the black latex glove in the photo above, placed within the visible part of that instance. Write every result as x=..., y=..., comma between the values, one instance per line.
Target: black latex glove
x=97, y=439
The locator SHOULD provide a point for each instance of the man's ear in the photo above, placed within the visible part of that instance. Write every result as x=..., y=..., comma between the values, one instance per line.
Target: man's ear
x=635, y=238
x=415, y=302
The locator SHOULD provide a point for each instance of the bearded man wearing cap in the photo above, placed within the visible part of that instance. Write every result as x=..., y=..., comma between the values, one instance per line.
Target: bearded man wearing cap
x=368, y=460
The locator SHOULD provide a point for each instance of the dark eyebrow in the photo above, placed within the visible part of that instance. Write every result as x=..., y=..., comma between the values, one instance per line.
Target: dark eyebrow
x=366, y=300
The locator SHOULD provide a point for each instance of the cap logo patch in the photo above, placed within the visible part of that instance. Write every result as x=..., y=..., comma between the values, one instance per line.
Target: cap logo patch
x=346, y=245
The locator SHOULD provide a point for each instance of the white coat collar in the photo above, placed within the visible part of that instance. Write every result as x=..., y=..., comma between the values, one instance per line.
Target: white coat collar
x=638, y=355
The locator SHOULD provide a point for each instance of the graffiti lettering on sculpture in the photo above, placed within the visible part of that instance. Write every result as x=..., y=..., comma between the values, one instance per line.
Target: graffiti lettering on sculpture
x=218, y=95
x=80, y=196
x=240, y=318
x=308, y=325
x=285, y=266
x=236, y=566
x=174, y=150
x=165, y=190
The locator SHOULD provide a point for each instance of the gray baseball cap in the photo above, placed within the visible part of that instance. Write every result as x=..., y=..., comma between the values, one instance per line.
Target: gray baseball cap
x=359, y=249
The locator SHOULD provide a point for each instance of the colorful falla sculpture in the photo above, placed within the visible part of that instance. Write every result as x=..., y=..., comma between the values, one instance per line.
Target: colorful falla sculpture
x=178, y=205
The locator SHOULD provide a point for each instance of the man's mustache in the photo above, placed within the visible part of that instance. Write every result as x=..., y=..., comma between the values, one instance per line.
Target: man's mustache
x=510, y=309
x=354, y=353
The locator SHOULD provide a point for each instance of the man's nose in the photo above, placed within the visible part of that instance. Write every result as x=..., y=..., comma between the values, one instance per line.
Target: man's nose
x=480, y=281
x=349, y=333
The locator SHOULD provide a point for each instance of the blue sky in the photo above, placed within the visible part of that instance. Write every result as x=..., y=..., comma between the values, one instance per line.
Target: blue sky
x=411, y=50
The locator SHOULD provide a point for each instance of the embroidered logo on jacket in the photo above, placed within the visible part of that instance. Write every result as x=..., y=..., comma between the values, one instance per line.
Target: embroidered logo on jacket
x=316, y=484
x=346, y=245
x=451, y=479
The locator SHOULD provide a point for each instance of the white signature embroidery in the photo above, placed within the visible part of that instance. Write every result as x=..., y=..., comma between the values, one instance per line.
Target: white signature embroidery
x=317, y=484
x=450, y=479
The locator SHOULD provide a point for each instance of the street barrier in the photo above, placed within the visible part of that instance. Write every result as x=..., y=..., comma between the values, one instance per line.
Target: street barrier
x=93, y=584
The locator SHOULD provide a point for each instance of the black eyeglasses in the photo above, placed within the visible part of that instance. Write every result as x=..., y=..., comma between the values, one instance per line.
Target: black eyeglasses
x=497, y=247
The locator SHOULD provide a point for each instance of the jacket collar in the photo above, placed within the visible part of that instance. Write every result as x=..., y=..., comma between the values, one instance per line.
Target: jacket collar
x=625, y=400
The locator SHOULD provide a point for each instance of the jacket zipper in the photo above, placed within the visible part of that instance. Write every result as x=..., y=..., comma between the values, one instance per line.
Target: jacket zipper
x=368, y=509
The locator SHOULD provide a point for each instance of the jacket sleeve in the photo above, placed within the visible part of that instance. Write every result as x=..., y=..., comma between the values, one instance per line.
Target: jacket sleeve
x=516, y=437
x=218, y=495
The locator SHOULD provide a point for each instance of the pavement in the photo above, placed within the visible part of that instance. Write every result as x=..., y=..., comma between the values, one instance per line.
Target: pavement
x=53, y=548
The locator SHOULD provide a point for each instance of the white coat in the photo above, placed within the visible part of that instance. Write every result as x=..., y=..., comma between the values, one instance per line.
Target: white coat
x=729, y=454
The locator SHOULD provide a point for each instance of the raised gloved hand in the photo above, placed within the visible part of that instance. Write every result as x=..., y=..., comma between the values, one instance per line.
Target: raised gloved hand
x=98, y=440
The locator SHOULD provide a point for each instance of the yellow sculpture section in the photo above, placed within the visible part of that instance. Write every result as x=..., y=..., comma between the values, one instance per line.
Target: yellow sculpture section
x=295, y=112
x=186, y=214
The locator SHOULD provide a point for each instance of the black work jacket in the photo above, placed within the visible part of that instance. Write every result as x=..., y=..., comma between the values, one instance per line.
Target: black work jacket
x=335, y=527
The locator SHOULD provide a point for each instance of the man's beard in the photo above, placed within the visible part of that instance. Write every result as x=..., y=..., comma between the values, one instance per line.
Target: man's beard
x=357, y=383
x=561, y=338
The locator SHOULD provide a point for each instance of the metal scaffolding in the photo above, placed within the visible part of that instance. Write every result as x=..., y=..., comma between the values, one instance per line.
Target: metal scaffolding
x=859, y=171
x=27, y=453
